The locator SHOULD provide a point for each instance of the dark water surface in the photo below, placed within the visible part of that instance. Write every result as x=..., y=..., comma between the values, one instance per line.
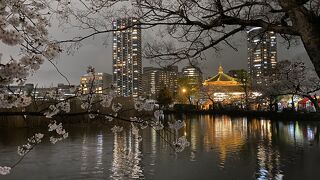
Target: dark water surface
x=220, y=148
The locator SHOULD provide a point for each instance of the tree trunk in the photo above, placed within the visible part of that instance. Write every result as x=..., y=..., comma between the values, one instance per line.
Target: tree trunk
x=311, y=42
x=308, y=26
x=276, y=107
x=270, y=104
x=247, y=100
x=212, y=101
x=314, y=102
x=292, y=103
x=189, y=99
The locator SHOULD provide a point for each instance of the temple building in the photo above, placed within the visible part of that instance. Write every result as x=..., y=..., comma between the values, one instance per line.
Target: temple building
x=222, y=88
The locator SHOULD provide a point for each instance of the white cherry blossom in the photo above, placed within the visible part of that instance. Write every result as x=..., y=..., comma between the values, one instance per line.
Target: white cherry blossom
x=109, y=118
x=181, y=143
x=158, y=114
x=177, y=125
x=5, y=170
x=32, y=141
x=116, y=129
x=116, y=107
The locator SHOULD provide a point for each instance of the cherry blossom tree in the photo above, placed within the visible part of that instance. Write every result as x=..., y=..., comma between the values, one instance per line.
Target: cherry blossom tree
x=24, y=27
x=192, y=27
x=295, y=79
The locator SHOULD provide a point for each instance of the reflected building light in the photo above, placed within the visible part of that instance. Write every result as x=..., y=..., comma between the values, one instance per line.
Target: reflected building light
x=310, y=133
x=224, y=136
x=129, y=141
x=265, y=129
x=293, y=133
x=137, y=171
x=153, y=155
x=298, y=133
x=193, y=135
x=99, y=154
x=291, y=130
x=245, y=124
x=268, y=161
x=153, y=137
x=84, y=154
x=126, y=162
x=117, y=154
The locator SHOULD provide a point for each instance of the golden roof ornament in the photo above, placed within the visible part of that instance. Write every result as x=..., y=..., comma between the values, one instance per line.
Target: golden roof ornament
x=220, y=69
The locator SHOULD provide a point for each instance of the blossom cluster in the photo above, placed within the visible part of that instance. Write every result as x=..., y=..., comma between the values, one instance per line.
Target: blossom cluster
x=55, y=109
x=58, y=128
x=157, y=125
x=87, y=101
x=91, y=70
x=24, y=149
x=54, y=94
x=180, y=144
x=143, y=104
x=177, y=125
x=158, y=115
x=4, y=170
x=116, y=129
x=14, y=100
x=116, y=107
x=106, y=99
x=23, y=24
x=109, y=118
x=135, y=131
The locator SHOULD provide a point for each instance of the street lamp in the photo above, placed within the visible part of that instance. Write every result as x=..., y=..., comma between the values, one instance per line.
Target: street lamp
x=184, y=90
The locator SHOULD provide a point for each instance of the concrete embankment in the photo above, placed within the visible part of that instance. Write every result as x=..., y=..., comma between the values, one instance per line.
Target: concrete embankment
x=33, y=115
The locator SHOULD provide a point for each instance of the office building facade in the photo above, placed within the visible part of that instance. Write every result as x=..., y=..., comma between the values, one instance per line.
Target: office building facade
x=194, y=74
x=126, y=56
x=155, y=79
x=99, y=83
x=262, y=55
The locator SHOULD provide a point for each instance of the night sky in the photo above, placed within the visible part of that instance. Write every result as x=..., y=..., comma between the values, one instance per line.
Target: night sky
x=97, y=52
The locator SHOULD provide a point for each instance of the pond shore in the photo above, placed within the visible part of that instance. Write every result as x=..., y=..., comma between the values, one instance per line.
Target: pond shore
x=34, y=120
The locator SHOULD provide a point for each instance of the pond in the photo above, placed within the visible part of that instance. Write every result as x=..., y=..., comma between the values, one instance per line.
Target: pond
x=221, y=147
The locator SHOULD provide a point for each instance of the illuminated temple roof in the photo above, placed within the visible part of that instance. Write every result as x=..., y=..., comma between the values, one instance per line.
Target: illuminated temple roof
x=221, y=79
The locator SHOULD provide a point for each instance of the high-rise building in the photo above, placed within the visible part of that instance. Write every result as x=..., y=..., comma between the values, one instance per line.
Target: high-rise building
x=262, y=54
x=193, y=73
x=99, y=83
x=154, y=79
x=126, y=56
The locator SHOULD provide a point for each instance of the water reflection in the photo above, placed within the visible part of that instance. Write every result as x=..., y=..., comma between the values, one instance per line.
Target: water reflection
x=127, y=157
x=99, y=153
x=268, y=160
x=84, y=155
x=298, y=133
x=221, y=147
x=230, y=137
x=218, y=134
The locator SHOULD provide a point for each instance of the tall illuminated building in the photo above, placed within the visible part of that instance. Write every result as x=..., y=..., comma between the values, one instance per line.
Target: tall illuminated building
x=154, y=79
x=98, y=83
x=126, y=56
x=193, y=73
x=262, y=54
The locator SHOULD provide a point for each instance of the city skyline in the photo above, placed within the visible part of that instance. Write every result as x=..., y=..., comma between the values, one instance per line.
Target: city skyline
x=100, y=56
x=131, y=89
